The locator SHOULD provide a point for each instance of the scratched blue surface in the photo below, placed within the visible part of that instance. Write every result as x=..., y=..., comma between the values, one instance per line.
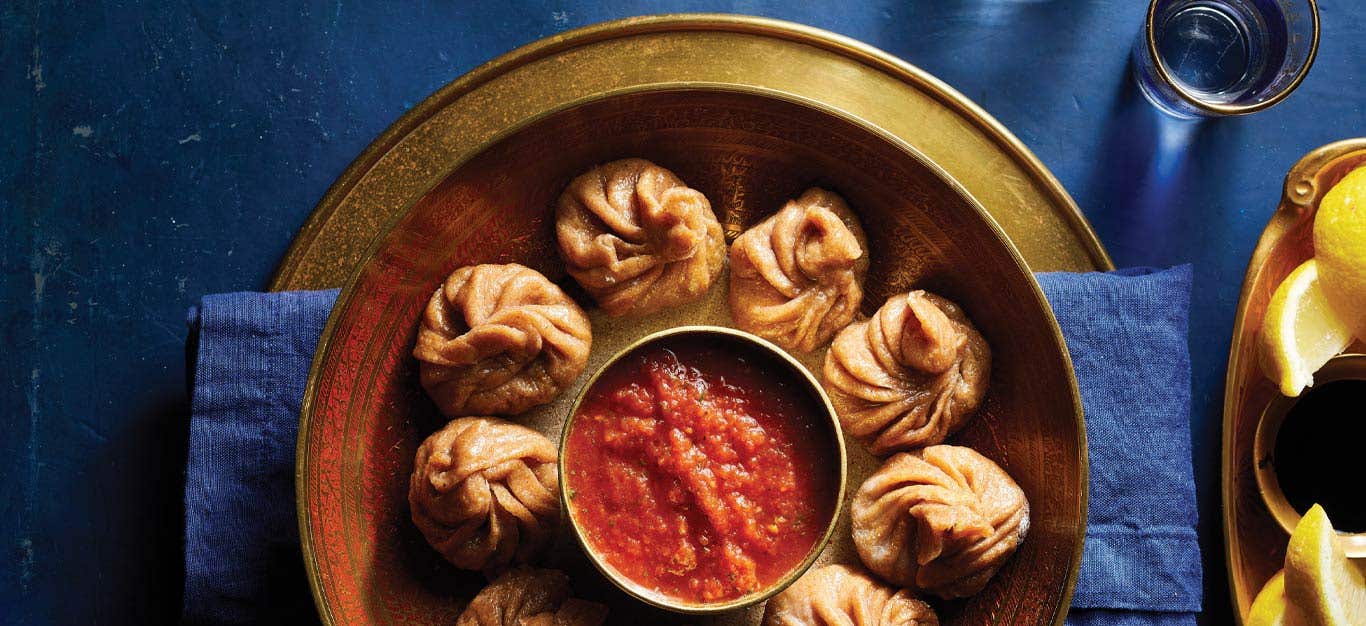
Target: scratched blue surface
x=154, y=152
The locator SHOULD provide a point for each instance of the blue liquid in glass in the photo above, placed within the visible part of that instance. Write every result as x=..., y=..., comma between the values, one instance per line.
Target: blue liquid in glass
x=1215, y=49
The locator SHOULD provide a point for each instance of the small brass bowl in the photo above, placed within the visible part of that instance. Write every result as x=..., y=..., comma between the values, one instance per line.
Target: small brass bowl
x=1342, y=367
x=745, y=342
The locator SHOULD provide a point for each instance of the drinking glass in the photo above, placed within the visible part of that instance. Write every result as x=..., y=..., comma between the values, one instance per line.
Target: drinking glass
x=1211, y=58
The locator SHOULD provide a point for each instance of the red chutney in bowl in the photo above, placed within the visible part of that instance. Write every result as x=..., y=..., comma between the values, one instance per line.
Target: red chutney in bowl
x=700, y=468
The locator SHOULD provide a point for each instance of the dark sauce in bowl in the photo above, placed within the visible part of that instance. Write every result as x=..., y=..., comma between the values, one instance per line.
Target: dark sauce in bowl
x=1320, y=453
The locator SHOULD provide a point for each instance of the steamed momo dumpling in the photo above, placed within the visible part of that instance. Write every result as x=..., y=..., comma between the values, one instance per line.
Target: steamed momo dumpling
x=499, y=339
x=485, y=492
x=797, y=277
x=941, y=520
x=910, y=376
x=638, y=239
x=839, y=595
x=530, y=597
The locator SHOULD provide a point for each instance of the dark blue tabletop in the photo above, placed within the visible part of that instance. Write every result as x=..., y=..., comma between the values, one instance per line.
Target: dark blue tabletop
x=156, y=152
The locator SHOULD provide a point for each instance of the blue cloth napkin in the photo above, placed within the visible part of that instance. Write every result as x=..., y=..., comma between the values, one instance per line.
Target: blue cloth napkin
x=242, y=559
x=1126, y=332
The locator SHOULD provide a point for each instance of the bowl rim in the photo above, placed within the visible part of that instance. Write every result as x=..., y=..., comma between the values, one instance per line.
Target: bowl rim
x=828, y=417
x=303, y=454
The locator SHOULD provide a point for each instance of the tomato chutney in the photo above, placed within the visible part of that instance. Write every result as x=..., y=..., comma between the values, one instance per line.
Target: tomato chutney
x=701, y=468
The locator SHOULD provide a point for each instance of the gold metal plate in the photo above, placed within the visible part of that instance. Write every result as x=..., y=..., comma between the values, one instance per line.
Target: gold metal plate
x=467, y=116
x=1254, y=543
x=445, y=151
x=748, y=150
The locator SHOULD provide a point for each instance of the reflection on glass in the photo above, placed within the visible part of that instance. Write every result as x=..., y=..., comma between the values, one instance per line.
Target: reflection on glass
x=1205, y=58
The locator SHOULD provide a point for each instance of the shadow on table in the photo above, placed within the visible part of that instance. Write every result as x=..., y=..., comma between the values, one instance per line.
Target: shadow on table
x=1147, y=164
x=137, y=486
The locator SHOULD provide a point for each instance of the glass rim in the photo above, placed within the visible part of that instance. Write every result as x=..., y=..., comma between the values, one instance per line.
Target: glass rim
x=1229, y=109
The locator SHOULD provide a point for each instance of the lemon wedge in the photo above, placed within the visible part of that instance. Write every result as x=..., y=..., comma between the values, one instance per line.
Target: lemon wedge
x=1340, y=247
x=1301, y=331
x=1319, y=579
x=1271, y=607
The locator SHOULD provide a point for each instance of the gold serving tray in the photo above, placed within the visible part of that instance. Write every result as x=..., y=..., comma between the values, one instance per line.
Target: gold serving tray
x=414, y=160
x=659, y=52
x=1254, y=543
x=364, y=415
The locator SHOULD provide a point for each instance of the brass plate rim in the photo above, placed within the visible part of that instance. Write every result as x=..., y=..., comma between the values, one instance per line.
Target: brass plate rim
x=374, y=247
x=875, y=58
x=1300, y=194
x=393, y=136
x=828, y=414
